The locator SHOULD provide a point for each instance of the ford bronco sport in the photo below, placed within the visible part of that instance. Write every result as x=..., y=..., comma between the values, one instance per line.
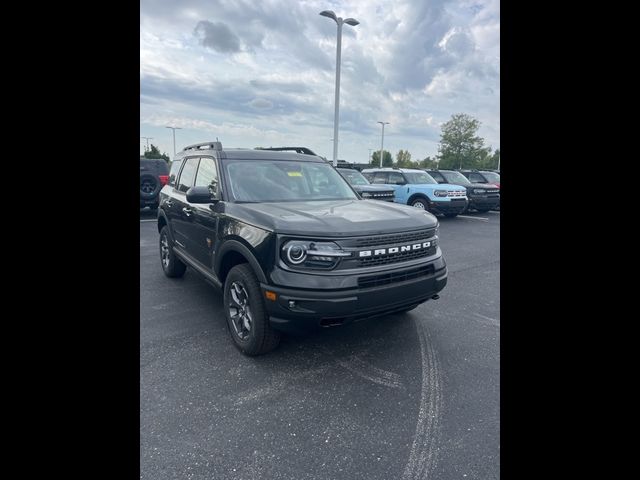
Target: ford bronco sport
x=418, y=189
x=291, y=244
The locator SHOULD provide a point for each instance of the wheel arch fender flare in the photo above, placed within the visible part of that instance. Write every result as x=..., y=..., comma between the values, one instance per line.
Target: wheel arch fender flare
x=239, y=247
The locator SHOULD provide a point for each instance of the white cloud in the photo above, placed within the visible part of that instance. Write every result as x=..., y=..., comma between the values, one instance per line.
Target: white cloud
x=271, y=79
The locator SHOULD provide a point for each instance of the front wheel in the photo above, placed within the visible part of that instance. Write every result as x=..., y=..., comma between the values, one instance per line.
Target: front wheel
x=420, y=203
x=246, y=315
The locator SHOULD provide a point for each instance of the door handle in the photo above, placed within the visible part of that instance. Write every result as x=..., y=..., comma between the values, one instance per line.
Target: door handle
x=187, y=211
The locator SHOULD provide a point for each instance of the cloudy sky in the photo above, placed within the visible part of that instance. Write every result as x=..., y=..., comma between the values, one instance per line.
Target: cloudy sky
x=262, y=73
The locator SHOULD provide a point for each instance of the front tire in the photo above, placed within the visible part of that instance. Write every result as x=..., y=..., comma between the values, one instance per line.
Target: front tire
x=172, y=266
x=246, y=314
x=420, y=203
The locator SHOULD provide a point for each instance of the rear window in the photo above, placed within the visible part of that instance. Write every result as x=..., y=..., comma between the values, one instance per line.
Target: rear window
x=173, y=174
x=158, y=167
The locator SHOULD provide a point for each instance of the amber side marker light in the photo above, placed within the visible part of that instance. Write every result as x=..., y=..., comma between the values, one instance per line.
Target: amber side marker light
x=270, y=295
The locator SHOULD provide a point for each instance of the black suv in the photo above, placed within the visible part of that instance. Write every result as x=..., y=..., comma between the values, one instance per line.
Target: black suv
x=482, y=197
x=361, y=185
x=291, y=244
x=154, y=174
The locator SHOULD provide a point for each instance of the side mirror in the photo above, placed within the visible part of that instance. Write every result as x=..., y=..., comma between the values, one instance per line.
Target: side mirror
x=200, y=195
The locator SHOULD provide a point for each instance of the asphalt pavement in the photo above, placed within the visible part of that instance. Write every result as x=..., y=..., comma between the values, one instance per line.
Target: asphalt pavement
x=407, y=396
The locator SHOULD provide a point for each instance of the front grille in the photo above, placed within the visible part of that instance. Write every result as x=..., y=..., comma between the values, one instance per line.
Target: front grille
x=381, y=240
x=380, y=195
x=456, y=193
x=395, y=277
x=396, y=257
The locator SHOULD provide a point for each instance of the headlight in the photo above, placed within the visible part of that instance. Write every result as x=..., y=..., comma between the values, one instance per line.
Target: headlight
x=366, y=195
x=440, y=193
x=310, y=254
x=479, y=190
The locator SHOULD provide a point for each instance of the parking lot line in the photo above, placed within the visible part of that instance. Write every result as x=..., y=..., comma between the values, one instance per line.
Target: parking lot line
x=148, y=220
x=493, y=213
x=483, y=219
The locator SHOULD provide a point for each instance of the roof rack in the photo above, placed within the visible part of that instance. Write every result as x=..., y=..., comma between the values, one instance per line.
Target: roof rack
x=206, y=145
x=303, y=150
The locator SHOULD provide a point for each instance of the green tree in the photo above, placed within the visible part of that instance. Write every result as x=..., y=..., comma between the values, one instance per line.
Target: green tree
x=403, y=159
x=387, y=159
x=460, y=146
x=154, y=152
x=495, y=160
x=428, y=162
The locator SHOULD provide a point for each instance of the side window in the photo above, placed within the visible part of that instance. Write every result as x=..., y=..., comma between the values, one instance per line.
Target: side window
x=207, y=175
x=368, y=176
x=380, y=177
x=476, y=178
x=188, y=174
x=396, y=178
x=173, y=173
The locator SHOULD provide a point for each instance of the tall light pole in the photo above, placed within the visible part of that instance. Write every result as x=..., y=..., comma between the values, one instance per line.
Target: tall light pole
x=382, y=143
x=339, y=21
x=147, y=139
x=174, y=139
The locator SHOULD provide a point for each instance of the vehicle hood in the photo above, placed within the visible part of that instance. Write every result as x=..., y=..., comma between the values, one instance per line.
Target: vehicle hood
x=334, y=218
x=486, y=186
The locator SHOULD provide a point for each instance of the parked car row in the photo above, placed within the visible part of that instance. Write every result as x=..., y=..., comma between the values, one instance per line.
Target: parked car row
x=482, y=196
x=445, y=192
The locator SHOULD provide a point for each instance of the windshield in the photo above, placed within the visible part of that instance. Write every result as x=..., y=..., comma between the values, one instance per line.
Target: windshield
x=284, y=181
x=492, y=177
x=419, y=177
x=456, y=178
x=354, y=177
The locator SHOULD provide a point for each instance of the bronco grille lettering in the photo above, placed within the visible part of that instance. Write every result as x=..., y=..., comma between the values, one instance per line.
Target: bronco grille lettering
x=387, y=251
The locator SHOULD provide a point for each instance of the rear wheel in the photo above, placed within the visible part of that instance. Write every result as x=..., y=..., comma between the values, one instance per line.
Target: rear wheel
x=246, y=315
x=172, y=266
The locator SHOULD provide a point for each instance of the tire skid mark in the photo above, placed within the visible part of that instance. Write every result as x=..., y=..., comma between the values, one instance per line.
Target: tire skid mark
x=423, y=457
x=489, y=320
x=374, y=374
x=354, y=364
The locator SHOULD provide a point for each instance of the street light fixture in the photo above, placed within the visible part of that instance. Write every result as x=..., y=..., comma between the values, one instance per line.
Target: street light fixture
x=382, y=143
x=339, y=21
x=174, y=139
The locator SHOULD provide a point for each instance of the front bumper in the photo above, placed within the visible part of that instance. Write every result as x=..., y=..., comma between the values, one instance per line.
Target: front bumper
x=483, y=202
x=312, y=309
x=450, y=206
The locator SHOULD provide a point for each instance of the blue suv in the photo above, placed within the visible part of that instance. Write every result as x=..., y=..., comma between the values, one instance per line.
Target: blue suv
x=418, y=189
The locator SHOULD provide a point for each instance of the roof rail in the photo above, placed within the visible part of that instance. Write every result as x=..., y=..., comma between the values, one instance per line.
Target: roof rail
x=302, y=150
x=206, y=145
